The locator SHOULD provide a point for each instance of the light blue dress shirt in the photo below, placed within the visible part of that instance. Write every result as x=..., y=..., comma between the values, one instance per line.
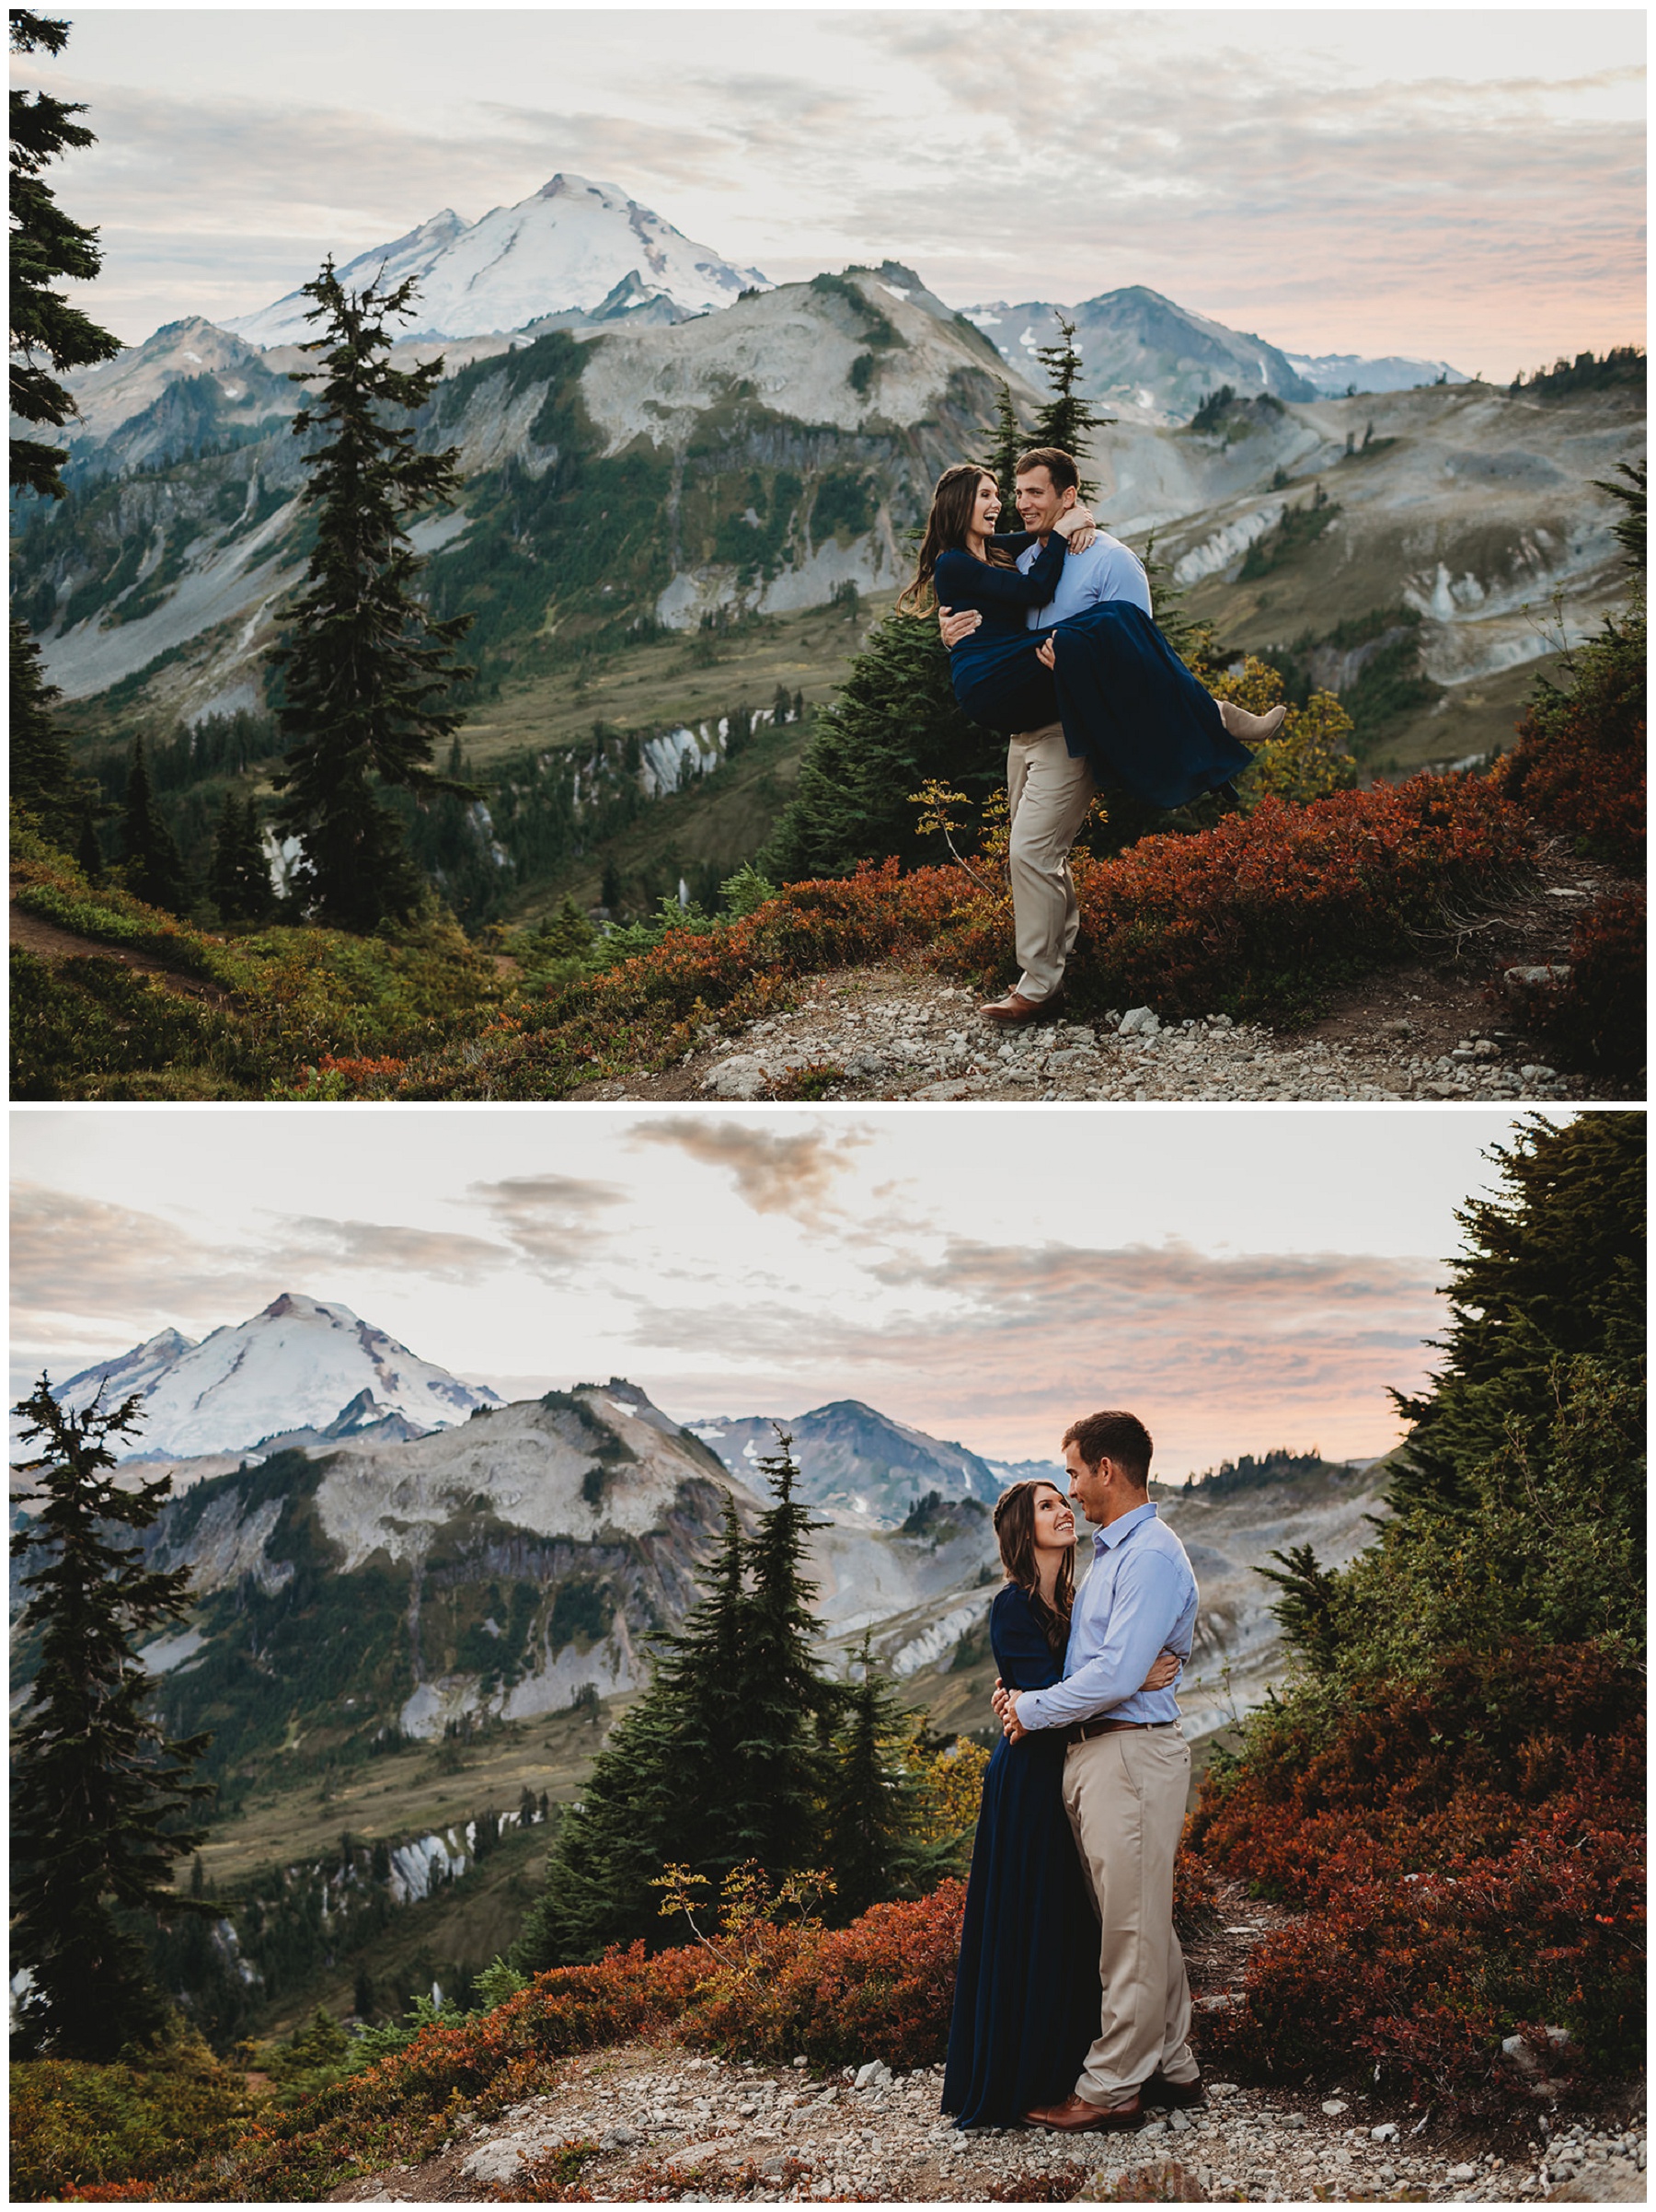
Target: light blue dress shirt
x=1108, y=570
x=1139, y=1599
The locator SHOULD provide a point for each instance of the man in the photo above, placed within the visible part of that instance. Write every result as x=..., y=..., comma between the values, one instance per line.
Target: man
x=1050, y=791
x=1126, y=1775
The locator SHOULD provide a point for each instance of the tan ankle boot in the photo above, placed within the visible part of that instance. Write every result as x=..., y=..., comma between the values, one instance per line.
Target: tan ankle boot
x=1252, y=729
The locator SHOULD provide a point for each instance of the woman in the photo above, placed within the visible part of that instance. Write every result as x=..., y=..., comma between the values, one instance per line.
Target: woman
x=1027, y=1999
x=1123, y=693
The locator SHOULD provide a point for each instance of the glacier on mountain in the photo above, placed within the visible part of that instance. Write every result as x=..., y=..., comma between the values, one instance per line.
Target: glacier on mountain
x=572, y=245
x=296, y=1365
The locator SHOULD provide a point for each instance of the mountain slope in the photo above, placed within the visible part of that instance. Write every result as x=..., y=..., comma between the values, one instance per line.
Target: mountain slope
x=297, y=1363
x=568, y=246
x=856, y=1459
x=1151, y=360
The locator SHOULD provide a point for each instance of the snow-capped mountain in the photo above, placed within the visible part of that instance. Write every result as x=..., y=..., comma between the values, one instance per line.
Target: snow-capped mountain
x=568, y=245
x=1336, y=373
x=299, y=1364
x=854, y=1458
x=1151, y=360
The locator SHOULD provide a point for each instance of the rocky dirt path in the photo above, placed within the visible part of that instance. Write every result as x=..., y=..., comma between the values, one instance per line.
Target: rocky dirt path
x=1426, y=1033
x=47, y=941
x=649, y=2123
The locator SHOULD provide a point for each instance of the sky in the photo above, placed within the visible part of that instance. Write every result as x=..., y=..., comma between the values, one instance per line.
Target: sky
x=1242, y=1278
x=1459, y=184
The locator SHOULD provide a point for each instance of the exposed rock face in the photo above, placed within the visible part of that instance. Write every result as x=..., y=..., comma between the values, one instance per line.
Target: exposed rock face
x=858, y=1459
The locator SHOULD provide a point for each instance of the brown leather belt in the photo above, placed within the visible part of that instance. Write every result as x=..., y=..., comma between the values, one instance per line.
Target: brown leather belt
x=1079, y=1732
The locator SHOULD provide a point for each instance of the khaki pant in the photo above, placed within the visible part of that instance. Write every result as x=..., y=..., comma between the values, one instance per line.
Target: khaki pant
x=1049, y=794
x=1125, y=1796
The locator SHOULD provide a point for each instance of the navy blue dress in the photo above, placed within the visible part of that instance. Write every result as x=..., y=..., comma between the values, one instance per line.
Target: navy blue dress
x=1125, y=698
x=1026, y=1994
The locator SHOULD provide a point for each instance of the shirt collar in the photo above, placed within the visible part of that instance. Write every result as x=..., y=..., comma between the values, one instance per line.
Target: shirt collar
x=1105, y=1539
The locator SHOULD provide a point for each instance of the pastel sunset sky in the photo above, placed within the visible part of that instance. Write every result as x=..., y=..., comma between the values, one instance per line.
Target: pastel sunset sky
x=1452, y=183
x=1243, y=1279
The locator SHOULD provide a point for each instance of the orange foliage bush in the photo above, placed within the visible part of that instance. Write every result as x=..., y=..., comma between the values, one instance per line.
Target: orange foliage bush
x=1258, y=915
x=1471, y=1850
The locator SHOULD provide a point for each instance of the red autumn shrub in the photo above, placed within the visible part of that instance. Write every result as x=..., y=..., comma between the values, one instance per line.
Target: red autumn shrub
x=1470, y=1849
x=1257, y=916
x=1596, y=1023
x=1579, y=765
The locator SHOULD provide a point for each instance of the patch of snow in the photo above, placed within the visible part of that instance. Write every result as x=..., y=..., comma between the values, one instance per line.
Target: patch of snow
x=1227, y=544
x=939, y=1638
x=168, y=1652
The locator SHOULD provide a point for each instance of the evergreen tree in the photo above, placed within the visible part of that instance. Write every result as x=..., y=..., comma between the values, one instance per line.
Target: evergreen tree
x=1553, y=1268
x=874, y=1811
x=366, y=666
x=894, y=726
x=89, y=850
x=1066, y=421
x=239, y=875
x=98, y=1790
x=44, y=780
x=48, y=336
x=1009, y=442
x=155, y=868
x=727, y=1756
x=775, y=1768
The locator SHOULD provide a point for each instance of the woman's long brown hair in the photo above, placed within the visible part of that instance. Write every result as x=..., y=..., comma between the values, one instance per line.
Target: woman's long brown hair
x=1014, y=1532
x=953, y=503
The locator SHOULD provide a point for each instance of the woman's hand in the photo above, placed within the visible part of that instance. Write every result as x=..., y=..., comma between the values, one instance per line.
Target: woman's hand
x=1046, y=653
x=1168, y=1664
x=1076, y=525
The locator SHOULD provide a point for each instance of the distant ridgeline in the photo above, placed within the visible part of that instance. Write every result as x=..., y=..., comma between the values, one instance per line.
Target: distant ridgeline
x=1251, y=1473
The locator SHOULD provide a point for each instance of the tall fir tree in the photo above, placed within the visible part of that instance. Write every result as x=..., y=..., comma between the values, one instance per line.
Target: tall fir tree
x=238, y=877
x=1066, y=421
x=44, y=780
x=726, y=1757
x=1009, y=442
x=48, y=336
x=874, y=1811
x=1552, y=1269
x=894, y=726
x=366, y=666
x=150, y=856
x=777, y=1765
x=101, y=1795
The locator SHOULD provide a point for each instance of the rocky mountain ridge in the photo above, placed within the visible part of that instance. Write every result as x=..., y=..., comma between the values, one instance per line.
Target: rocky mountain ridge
x=855, y=1460
x=300, y=1366
x=571, y=245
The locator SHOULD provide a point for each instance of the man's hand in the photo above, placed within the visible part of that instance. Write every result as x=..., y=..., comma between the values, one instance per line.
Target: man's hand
x=1013, y=1727
x=1046, y=653
x=956, y=627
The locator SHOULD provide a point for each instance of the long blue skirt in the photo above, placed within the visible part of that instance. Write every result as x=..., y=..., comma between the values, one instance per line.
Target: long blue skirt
x=1127, y=701
x=1027, y=1995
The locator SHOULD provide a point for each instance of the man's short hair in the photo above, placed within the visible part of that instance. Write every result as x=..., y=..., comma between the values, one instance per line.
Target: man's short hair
x=1119, y=1437
x=1059, y=465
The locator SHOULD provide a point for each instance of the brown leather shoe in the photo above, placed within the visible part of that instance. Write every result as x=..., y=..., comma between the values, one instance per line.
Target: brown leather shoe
x=1180, y=2096
x=1075, y=2115
x=1015, y=1007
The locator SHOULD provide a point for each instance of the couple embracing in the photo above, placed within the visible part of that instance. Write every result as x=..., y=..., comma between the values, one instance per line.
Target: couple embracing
x=1072, y=2010
x=1052, y=643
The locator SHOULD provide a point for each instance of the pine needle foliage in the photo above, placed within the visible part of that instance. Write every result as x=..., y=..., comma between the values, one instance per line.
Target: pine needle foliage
x=101, y=1795
x=1009, y=442
x=47, y=335
x=1552, y=1268
x=876, y=1812
x=153, y=865
x=727, y=1758
x=366, y=666
x=894, y=727
x=1066, y=421
x=239, y=875
x=44, y=780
